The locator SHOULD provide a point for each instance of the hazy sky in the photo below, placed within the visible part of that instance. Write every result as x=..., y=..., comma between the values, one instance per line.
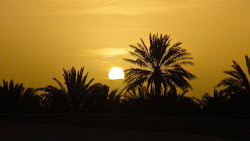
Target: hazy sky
x=40, y=37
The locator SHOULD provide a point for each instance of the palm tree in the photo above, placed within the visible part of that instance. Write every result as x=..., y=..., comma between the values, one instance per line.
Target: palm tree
x=140, y=99
x=237, y=83
x=77, y=86
x=30, y=101
x=139, y=94
x=98, y=94
x=16, y=98
x=160, y=65
x=12, y=93
x=115, y=97
x=55, y=99
x=214, y=104
x=237, y=89
x=76, y=90
x=101, y=98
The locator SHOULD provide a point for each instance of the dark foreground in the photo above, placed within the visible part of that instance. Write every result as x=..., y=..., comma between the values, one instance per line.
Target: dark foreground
x=92, y=127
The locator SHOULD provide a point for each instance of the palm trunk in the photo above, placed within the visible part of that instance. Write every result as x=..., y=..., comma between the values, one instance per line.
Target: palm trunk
x=157, y=88
x=157, y=81
x=157, y=96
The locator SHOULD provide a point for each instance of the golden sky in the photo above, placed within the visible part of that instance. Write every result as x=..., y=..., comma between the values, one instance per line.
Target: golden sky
x=40, y=37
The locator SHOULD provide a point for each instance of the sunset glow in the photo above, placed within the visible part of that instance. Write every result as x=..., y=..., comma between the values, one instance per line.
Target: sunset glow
x=170, y=68
x=39, y=38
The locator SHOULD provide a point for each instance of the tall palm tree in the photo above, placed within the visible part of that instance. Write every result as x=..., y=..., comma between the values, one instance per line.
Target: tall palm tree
x=160, y=65
x=238, y=82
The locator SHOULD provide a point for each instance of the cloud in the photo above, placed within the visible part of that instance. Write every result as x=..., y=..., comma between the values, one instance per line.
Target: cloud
x=110, y=52
x=114, y=30
x=105, y=52
x=128, y=7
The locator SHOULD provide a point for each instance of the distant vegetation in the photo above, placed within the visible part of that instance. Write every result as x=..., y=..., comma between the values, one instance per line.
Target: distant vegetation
x=157, y=85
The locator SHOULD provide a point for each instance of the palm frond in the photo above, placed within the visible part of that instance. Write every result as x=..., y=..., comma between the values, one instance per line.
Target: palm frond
x=238, y=82
x=248, y=63
x=60, y=84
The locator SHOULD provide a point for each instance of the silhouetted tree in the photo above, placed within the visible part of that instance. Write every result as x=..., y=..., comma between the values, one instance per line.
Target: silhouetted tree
x=115, y=97
x=55, y=99
x=237, y=89
x=139, y=94
x=139, y=99
x=77, y=86
x=237, y=83
x=101, y=99
x=15, y=98
x=216, y=104
x=4, y=100
x=99, y=93
x=160, y=65
x=77, y=89
x=30, y=101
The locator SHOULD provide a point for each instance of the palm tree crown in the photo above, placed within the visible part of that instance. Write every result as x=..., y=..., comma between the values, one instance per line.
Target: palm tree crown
x=160, y=65
x=238, y=83
x=14, y=97
x=76, y=90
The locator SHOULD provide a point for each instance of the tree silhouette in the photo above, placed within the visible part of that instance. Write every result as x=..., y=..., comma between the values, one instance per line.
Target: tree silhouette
x=139, y=95
x=16, y=98
x=77, y=86
x=14, y=93
x=160, y=65
x=77, y=89
x=101, y=98
x=139, y=100
x=55, y=99
x=237, y=89
x=4, y=100
x=237, y=83
x=216, y=104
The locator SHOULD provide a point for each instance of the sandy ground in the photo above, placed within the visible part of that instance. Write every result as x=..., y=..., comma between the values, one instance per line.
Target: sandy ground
x=19, y=131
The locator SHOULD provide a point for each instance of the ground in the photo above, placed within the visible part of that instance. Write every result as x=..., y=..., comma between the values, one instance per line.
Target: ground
x=94, y=127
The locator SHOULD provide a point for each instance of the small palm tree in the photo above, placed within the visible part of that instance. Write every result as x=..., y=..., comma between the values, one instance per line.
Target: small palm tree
x=101, y=94
x=237, y=89
x=30, y=101
x=56, y=99
x=98, y=94
x=138, y=95
x=16, y=98
x=238, y=83
x=76, y=90
x=115, y=97
x=77, y=86
x=160, y=65
x=216, y=103
x=14, y=93
x=101, y=99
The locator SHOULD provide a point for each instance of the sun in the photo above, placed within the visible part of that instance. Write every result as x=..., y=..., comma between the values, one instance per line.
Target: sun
x=116, y=73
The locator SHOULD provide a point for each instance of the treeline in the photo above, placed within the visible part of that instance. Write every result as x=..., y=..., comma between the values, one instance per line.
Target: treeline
x=158, y=85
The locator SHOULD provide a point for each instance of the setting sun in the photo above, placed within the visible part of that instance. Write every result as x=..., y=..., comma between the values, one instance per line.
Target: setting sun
x=116, y=73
